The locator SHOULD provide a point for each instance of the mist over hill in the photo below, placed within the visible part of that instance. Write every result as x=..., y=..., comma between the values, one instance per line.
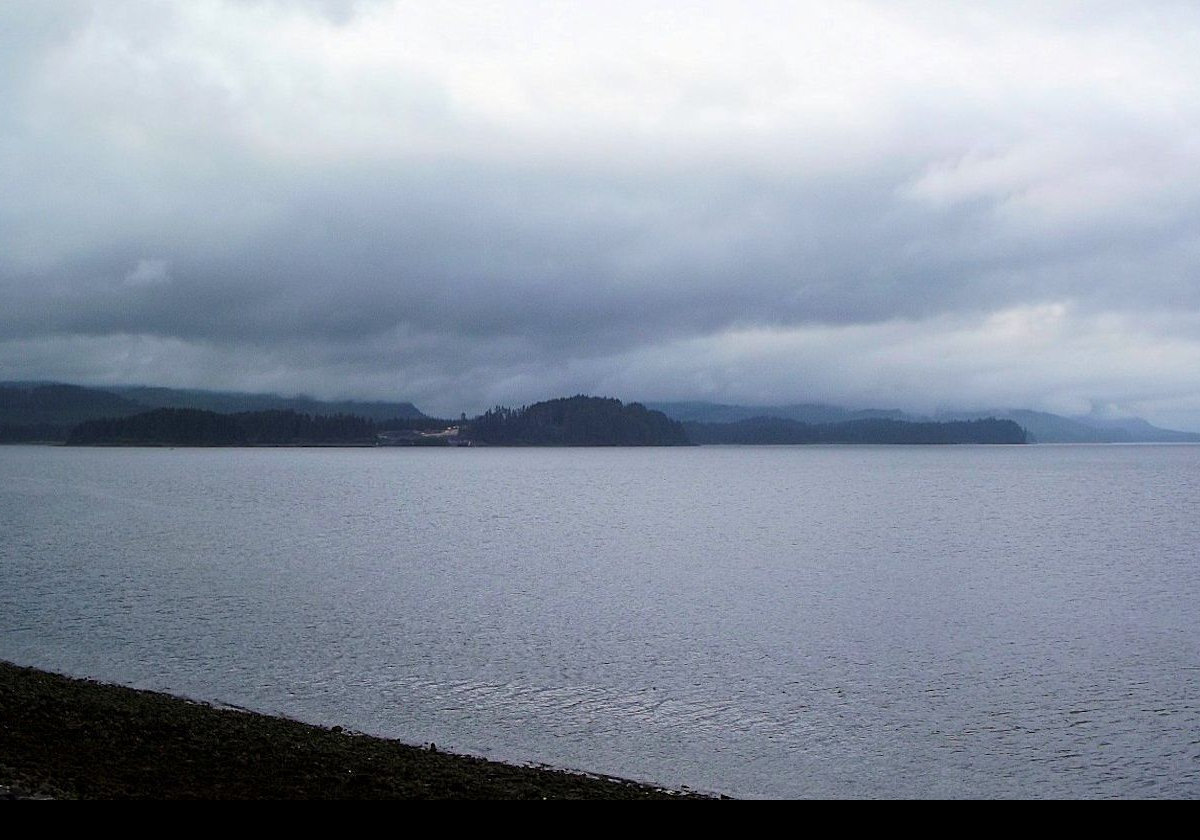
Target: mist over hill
x=54, y=404
x=813, y=413
x=47, y=411
x=778, y=431
x=229, y=402
x=1042, y=427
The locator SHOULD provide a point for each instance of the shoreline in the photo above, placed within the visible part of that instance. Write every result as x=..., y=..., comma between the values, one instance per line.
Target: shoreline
x=68, y=738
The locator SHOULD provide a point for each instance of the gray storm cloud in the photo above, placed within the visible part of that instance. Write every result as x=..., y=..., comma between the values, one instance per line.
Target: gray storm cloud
x=902, y=204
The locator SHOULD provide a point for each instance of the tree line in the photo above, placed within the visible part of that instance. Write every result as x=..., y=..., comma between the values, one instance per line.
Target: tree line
x=569, y=421
x=196, y=427
x=577, y=421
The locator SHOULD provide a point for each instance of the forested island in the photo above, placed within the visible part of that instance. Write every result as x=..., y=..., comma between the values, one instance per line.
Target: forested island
x=577, y=421
x=80, y=416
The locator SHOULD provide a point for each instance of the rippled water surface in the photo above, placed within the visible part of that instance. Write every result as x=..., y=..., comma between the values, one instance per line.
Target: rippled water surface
x=792, y=621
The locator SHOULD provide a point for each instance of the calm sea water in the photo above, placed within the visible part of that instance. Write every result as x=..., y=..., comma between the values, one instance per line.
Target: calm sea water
x=791, y=621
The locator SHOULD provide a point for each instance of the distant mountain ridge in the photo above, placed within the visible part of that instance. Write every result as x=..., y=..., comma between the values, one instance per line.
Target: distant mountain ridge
x=228, y=402
x=812, y=413
x=48, y=410
x=870, y=430
x=53, y=404
x=1042, y=427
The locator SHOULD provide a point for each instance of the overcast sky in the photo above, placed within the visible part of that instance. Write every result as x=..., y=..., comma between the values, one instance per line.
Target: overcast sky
x=894, y=204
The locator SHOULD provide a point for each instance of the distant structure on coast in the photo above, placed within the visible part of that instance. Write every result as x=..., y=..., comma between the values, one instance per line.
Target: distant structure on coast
x=449, y=436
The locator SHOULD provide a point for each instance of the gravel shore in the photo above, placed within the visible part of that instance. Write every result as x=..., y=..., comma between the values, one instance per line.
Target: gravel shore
x=66, y=738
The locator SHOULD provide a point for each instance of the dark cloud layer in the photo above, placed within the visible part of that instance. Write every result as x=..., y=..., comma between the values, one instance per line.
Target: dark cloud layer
x=904, y=204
